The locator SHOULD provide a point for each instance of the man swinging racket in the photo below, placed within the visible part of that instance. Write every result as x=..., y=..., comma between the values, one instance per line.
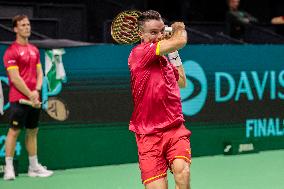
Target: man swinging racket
x=157, y=119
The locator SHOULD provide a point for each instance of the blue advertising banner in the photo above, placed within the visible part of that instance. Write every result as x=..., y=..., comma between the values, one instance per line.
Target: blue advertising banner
x=231, y=84
x=226, y=85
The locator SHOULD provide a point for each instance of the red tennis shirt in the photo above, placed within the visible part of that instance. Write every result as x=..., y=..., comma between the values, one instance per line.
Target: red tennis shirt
x=155, y=91
x=25, y=58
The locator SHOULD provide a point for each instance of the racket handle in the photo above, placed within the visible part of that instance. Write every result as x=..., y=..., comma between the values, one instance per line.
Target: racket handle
x=168, y=29
x=29, y=103
x=26, y=102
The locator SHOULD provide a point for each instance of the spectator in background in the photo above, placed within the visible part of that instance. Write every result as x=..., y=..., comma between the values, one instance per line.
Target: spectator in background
x=237, y=20
x=277, y=20
x=277, y=13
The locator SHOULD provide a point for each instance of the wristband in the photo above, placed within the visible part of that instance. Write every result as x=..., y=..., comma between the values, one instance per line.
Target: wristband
x=174, y=58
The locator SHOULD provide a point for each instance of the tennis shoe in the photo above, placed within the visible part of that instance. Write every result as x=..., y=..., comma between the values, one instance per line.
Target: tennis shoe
x=9, y=173
x=39, y=171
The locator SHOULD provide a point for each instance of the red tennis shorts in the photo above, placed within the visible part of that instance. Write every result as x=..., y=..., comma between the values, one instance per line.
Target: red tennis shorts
x=157, y=151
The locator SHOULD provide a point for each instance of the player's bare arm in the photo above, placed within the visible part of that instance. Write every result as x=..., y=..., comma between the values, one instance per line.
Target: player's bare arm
x=175, y=59
x=21, y=85
x=177, y=41
x=39, y=77
x=182, y=77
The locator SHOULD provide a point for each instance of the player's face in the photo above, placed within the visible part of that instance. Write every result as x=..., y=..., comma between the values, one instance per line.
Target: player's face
x=153, y=31
x=23, y=28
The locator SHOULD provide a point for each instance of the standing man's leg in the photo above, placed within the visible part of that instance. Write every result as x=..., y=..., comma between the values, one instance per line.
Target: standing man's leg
x=10, y=145
x=31, y=141
x=181, y=173
x=16, y=120
x=31, y=146
x=35, y=168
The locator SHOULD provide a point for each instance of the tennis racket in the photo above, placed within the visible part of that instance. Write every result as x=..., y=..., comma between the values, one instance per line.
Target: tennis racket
x=124, y=27
x=57, y=108
x=29, y=103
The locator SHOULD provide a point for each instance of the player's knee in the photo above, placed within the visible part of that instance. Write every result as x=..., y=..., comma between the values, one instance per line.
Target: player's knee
x=13, y=133
x=182, y=174
x=32, y=132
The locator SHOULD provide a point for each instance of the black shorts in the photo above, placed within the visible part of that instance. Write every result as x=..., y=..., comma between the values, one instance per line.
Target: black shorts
x=23, y=116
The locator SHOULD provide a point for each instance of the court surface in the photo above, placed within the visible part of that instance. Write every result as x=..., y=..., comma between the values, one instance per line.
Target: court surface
x=261, y=170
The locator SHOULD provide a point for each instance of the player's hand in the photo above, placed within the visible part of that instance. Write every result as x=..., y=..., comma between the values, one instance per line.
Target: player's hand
x=167, y=34
x=37, y=104
x=34, y=96
x=178, y=26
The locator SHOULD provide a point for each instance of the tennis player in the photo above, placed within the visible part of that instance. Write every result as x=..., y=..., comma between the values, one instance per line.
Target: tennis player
x=157, y=119
x=22, y=63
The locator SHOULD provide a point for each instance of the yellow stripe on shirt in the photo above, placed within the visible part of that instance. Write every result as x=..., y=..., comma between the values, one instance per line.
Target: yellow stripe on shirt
x=38, y=65
x=158, y=49
x=12, y=67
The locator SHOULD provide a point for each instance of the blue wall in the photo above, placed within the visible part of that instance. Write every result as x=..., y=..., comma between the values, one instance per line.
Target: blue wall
x=234, y=95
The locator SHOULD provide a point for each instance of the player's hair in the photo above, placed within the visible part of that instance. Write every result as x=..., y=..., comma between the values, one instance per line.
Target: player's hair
x=18, y=18
x=148, y=15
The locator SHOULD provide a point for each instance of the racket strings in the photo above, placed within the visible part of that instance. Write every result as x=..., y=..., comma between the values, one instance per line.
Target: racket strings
x=125, y=27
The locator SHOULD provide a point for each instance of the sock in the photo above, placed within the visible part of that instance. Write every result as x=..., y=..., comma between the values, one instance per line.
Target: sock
x=9, y=161
x=33, y=161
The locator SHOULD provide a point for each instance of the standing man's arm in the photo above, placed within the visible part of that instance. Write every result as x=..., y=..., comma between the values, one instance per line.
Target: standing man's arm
x=39, y=77
x=19, y=83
